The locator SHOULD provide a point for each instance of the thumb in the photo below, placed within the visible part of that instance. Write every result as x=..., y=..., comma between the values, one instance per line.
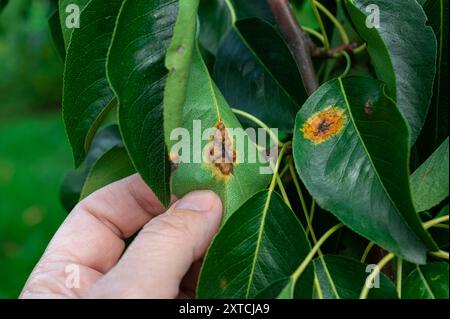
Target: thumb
x=162, y=253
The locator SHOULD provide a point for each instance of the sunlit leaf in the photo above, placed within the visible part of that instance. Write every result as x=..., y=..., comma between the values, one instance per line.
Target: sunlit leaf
x=178, y=63
x=206, y=108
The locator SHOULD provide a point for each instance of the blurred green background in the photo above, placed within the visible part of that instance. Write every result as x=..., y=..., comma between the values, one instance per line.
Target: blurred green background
x=34, y=152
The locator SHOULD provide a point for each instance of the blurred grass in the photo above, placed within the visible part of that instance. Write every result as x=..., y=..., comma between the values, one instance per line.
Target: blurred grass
x=30, y=67
x=34, y=152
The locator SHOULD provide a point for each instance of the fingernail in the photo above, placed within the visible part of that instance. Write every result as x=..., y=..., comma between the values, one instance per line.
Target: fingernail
x=200, y=201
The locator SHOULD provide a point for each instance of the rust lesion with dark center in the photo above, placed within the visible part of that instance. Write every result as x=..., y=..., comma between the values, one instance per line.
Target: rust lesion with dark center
x=221, y=153
x=322, y=126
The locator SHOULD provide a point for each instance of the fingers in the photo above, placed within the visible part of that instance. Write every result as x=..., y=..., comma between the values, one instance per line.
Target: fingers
x=163, y=252
x=92, y=235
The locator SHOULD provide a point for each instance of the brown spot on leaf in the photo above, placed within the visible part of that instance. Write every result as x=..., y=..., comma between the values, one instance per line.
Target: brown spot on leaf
x=323, y=125
x=368, y=107
x=221, y=154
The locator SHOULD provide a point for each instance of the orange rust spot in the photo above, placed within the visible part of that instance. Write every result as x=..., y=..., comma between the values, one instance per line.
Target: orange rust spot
x=221, y=154
x=321, y=126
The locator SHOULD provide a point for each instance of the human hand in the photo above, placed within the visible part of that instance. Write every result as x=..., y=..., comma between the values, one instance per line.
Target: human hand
x=163, y=260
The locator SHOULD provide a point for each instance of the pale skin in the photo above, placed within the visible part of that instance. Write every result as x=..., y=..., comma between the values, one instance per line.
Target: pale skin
x=163, y=260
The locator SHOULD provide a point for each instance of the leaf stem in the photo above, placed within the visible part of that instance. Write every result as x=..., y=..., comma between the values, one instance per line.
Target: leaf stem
x=283, y=191
x=314, y=33
x=260, y=123
x=435, y=222
x=348, y=66
x=399, y=275
x=360, y=49
x=440, y=254
x=317, y=285
x=338, y=25
x=310, y=227
x=326, y=42
x=273, y=183
x=383, y=262
x=367, y=251
x=313, y=252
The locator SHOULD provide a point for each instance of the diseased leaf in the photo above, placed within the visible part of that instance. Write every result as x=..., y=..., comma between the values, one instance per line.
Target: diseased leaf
x=403, y=52
x=427, y=282
x=261, y=243
x=137, y=73
x=429, y=183
x=215, y=20
x=351, y=151
x=347, y=277
x=112, y=166
x=72, y=185
x=178, y=63
x=265, y=83
x=206, y=109
x=87, y=96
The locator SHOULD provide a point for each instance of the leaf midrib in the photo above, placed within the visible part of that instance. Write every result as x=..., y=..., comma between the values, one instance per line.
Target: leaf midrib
x=425, y=282
x=344, y=94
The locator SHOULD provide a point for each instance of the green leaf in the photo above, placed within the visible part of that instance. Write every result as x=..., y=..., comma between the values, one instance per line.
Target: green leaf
x=427, y=282
x=87, y=96
x=66, y=15
x=55, y=29
x=178, y=63
x=304, y=13
x=403, y=52
x=265, y=83
x=244, y=9
x=72, y=185
x=429, y=183
x=444, y=211
x=112, y=166
x=205, y=108
x=215, y=20
x=261, y=243
x=436, y=127
x=351, y=152
x=348, y=278
x=137, y=73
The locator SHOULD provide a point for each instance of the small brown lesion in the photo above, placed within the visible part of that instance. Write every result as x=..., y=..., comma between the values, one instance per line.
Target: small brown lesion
x=222, y=154
x=321, y=126
x=368, y=107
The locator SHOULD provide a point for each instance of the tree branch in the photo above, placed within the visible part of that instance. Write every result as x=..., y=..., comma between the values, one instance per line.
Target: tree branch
x=297, y=41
